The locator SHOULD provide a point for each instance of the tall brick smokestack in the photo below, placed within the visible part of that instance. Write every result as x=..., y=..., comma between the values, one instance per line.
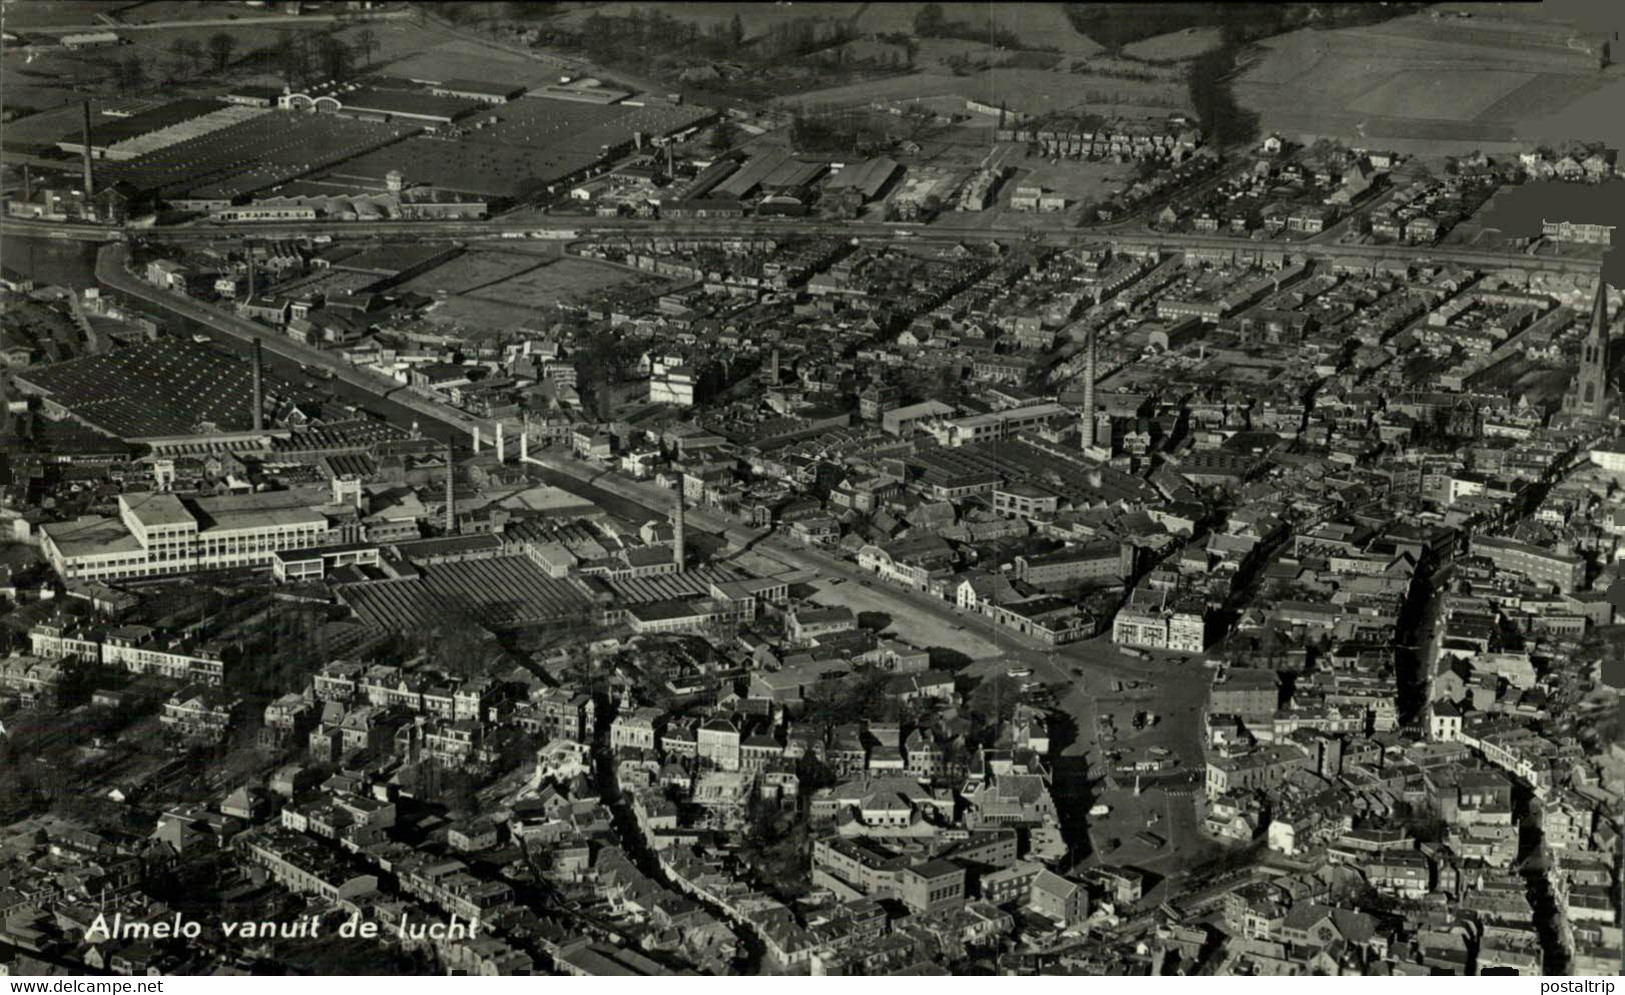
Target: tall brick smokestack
x=1086, y=426
x=678, y=552
x=451, y=511
x=90, y=181
x=259, y=388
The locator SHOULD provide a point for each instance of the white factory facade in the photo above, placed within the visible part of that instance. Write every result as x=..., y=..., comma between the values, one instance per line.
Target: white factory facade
x=161, y=534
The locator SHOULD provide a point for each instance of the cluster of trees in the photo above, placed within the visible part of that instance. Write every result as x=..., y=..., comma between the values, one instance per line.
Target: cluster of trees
x=299, y=56
x=658, y=32
x=602, y=358
x=189, y=56
x=303, y=56
x=456, y=641
x=931, y=22
x=861, y=697
x=287, y=649
x=847, y=57
x=845, y=129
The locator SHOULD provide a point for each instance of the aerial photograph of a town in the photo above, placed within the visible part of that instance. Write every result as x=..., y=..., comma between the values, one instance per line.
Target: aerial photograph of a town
x=625, y=489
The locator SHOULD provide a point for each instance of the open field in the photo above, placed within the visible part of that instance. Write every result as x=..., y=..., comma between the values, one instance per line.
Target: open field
x=1030, y=91
x=1451, y=94
x=20, y=15
x=453, y=59
x=473, y=270
x=555, y=283
x=475, y=313
x=1175, y=45
x=1424, y=85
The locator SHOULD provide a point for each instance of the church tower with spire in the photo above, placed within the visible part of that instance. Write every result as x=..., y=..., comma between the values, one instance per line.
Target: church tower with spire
x=1588, y=394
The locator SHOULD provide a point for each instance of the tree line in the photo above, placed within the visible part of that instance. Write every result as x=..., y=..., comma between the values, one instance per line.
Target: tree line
x=299, y=57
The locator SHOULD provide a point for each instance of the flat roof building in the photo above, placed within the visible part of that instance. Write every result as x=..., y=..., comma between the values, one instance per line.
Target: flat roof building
x=164, y=535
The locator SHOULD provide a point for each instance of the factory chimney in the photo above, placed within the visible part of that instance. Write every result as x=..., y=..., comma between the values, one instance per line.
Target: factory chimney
x=1086, y=427
x=259, y=388
x=502, y=453
x=90, y=181
x=677, y=551
x=451, y=510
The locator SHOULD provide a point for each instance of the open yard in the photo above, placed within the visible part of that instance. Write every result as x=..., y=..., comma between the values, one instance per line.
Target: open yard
x=921, y=630
x=1155, y=812
x=559, y=282
x=473, y=270
x=471, y=315
x=1080, y=181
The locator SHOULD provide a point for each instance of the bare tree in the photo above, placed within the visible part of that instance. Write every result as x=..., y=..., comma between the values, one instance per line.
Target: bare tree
x=366, y=41
x=130, y=73
x=221, y=46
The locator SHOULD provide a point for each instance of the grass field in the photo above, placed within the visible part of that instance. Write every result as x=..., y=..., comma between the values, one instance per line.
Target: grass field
x=471, y=314
x=1175, y=45
x=1451, y=94
x=559, y=282
x=450, y=60
x=473, y=270
x=1030, y=91
x=21, y=15
x=1431, y=86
